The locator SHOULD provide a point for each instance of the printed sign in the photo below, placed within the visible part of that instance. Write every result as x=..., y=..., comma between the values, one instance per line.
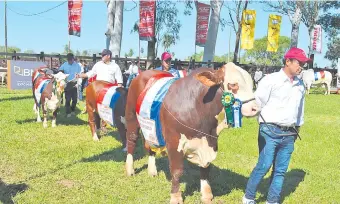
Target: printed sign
x=317, y=39
x=105, y=113
x=202, y=23
x=148, y=128
x=338, y=84
x=19, y=73
x=74, y=17
x=147, y=19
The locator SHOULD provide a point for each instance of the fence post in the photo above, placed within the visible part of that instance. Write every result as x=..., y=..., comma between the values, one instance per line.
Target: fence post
x=42, y=56
x=14, y=56
x=94, y=58
x=51, y=62
x=125, y=63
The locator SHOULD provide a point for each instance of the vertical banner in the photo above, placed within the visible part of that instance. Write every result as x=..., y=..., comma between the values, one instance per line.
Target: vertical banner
x=316, y=39
x=274, y=25
x=147, y=18
x=74, y=17
x=248, y=29
x=202, y=23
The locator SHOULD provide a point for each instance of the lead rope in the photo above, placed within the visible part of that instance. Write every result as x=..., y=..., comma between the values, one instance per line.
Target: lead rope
x=291, y=134
x=188, y=126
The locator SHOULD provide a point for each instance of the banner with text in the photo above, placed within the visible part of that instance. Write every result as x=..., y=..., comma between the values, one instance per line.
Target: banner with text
x=202, y=23
x=74, y=17
x=274, y=25
x=317, y=39
x=147, y=19
x=338, y=82
x=19, y=73
x=248, y=29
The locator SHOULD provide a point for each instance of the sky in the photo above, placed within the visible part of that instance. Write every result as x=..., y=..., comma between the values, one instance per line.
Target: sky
x=48, y=32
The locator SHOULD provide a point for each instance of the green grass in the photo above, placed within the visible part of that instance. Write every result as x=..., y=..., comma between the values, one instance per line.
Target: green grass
x=64, y=165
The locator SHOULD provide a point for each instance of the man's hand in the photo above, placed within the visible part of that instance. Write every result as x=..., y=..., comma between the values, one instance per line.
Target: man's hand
x=120, y=85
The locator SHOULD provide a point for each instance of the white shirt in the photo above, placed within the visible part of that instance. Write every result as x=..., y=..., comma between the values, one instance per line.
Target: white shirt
x=133, y=69
x=81, y=71
x=257, y=76
x=281, y=101
x=106, y=72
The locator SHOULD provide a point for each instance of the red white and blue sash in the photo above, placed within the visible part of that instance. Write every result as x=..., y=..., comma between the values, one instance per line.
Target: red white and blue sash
x=39, y=88
x=106, y=102
x=182, y=73
x=148, y=107
x=319, y=75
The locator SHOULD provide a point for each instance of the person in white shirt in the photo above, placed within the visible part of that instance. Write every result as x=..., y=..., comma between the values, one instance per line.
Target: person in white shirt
x=258, y=75
x=133, y=68
x=281, y=98
x=132, y=71
x=106, y=70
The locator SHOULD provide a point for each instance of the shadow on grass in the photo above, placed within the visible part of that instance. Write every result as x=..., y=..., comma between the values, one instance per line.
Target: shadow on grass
x=117, y=154
x=224, y=181
x=8, y=191
x=61, y=118
x=292, y=180
x=16, y=98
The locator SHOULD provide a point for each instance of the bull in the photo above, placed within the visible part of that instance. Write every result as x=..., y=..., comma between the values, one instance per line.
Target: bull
x=186, y=118
x=47, y=87
x=106, y=101
x=309, y=77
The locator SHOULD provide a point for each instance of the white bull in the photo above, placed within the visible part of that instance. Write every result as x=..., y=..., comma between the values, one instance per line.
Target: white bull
x=310, y=77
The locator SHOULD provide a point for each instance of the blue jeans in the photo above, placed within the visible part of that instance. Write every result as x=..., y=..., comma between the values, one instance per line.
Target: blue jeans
x=273, y=149
x=131, y=76
x=80, y=93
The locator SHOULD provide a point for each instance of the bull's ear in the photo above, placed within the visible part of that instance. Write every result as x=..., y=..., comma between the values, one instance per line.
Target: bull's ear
x=211, y=78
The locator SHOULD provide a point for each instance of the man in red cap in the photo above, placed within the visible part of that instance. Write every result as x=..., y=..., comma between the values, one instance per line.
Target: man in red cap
x=166, y=63
x=281, y=98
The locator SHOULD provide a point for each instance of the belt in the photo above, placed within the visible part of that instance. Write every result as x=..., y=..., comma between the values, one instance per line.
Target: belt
x=283, y=128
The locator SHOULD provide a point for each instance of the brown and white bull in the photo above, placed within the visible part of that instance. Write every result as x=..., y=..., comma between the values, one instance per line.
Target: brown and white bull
x=96, y=94
x=188, y=116
x=310, y=78
x=47, y=87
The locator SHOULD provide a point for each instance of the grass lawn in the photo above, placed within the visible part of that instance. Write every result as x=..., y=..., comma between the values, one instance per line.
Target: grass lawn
x=64, y=165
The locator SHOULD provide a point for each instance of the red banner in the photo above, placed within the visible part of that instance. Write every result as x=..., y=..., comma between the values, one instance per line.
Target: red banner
x=202, y=23
x=147, y=17
x=74, y=16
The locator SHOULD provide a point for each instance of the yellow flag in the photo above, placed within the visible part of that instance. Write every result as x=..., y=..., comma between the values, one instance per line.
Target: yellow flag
x=274, y=24
x=248, y=29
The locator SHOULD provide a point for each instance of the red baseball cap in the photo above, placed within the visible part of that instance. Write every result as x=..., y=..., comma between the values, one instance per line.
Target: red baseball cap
x=296, y=53
x=165, y=56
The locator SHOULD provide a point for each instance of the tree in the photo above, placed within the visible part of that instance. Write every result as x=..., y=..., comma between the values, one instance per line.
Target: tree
x=29, y=51
x=236, y=23
x=167, y=28
x=67, y=50
x=85, y=53
x=115, y=25
x=130, y=53
x=10, y=49
x=293, y=10
x=259, y=55
x=330, y=22
x=214, y=22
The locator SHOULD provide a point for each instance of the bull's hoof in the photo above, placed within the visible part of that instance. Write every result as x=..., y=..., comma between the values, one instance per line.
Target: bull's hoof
x=129, y=165
x=45, y=124
x=176, y=198
x=95, y=137
x=207, y=200
x=54, y=124
x=152, y=169
x=39, y=120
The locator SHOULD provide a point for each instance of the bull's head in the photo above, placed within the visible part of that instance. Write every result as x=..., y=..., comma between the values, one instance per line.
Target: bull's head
x=235, y=82
x=58, y=88
x=60, y=79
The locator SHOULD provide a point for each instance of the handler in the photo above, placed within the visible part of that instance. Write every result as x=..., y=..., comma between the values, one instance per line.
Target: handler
x=281, y=98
